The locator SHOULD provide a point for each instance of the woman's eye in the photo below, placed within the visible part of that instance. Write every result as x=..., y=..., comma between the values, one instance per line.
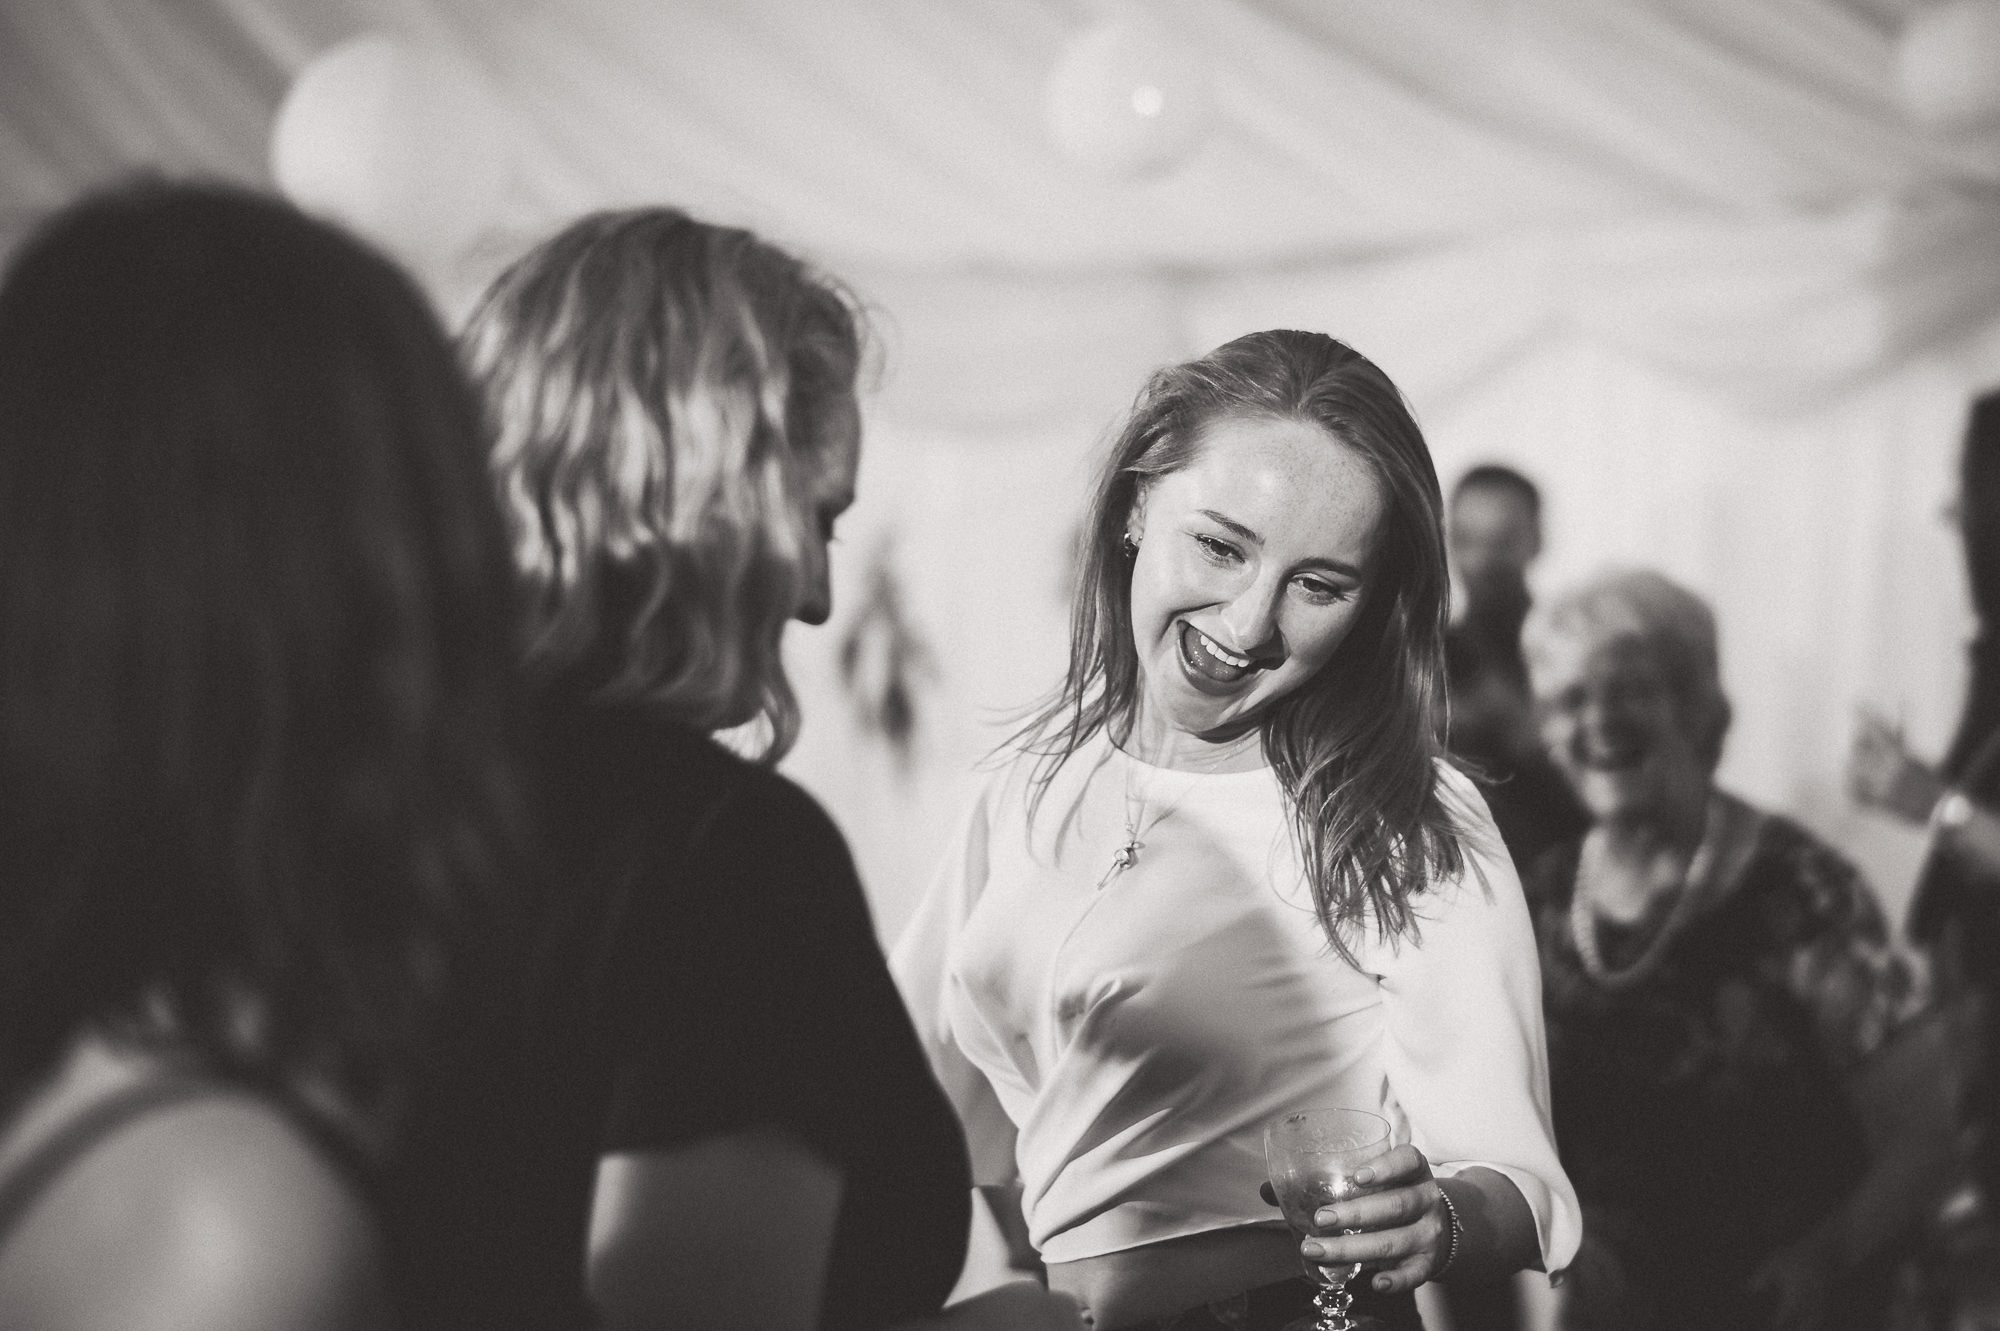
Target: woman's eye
x=1219, y=551
x=1323, y=593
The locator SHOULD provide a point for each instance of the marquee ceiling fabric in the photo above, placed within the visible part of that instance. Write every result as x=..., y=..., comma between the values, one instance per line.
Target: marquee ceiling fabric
x=1615, y=165
x=1689, y=261
x=910, y=131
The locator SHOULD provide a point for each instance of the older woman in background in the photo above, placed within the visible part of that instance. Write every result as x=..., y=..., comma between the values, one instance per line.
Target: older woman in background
x=1750, y=1116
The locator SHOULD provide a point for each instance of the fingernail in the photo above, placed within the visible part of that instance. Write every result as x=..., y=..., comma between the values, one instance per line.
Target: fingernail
x=1327, y=1219
x=1314, y=1250
x=1381, y=1282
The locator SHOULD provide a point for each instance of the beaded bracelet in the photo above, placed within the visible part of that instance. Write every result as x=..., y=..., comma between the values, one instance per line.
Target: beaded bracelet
x=1454, y=1233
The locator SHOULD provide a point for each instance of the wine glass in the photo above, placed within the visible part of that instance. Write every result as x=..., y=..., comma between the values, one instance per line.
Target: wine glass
x=1311, y=1156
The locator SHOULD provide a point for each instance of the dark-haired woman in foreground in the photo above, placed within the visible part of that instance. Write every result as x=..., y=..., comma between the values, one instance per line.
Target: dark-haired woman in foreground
x=253, y=651
x=1230, y=875
x=677, y=433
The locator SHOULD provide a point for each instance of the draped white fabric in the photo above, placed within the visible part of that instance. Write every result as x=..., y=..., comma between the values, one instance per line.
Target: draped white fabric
x=1685, y=261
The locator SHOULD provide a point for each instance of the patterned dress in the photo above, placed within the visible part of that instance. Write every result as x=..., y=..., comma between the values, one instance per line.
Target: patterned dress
x=1700, y=1084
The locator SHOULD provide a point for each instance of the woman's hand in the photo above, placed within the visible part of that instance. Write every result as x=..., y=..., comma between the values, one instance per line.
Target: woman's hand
x=1405, y=1231
x=1882, y=774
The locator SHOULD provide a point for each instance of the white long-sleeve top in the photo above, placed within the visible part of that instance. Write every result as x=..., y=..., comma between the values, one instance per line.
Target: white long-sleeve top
x=1118, y=1044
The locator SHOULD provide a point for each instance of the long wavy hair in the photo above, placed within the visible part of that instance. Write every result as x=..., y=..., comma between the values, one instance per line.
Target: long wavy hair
x=1354, y=747
x=255, y=647
x=658, y=387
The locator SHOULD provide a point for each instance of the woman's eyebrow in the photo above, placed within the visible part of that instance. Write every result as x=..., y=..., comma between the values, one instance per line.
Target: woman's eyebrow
x=1234, y=527
x=1250, y=536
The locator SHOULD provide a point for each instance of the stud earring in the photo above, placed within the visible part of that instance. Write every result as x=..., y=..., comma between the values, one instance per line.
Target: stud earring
x=1131, y=546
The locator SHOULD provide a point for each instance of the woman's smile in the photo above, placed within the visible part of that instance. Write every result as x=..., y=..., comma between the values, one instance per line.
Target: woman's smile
x=1252, y=567
x=1209, y=663
x=1612, y=724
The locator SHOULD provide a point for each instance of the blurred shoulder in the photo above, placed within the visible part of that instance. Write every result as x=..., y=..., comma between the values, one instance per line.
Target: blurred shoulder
x=1786, y=859
x=1791, y=842
x=216, y=1211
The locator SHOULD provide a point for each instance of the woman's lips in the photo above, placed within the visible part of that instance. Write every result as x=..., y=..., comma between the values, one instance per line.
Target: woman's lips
x=1209, y=662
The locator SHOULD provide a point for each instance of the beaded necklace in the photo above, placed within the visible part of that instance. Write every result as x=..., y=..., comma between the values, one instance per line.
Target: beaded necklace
x=1583, y=923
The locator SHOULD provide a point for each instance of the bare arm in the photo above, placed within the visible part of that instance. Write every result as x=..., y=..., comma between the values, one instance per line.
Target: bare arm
x=1883, y=775
x=730, y=1231
x=735, y=1232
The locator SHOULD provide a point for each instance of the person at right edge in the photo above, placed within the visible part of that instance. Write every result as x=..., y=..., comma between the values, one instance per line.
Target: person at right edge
x=1955, y=912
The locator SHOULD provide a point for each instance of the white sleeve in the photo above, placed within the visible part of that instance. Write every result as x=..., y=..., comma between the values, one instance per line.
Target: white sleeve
x=1466, y=1051
x=921, y=964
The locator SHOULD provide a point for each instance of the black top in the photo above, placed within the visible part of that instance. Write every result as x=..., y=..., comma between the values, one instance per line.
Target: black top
x=753, y=991
x=703, y=962
x=1492, y=731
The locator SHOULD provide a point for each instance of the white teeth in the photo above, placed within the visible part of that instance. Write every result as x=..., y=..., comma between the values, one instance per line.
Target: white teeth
x=1222, y=653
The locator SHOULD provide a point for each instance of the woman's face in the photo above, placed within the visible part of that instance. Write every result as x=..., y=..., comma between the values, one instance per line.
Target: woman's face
x=1253, y=563
x=1612, y=722
x=829, y=493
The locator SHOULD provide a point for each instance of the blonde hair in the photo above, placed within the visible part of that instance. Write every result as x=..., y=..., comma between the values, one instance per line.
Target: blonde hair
x=658, y=388
x=1673, y=625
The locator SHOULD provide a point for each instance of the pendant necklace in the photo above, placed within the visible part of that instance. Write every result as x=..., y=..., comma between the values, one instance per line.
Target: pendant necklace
x=1138, y=826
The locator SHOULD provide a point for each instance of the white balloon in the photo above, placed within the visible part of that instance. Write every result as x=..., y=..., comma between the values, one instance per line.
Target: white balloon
x=399, y=142
x=1127, y=98
x=1948, y=65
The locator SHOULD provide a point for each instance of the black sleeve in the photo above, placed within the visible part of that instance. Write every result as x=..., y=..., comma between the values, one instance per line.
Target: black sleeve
x=759, y=995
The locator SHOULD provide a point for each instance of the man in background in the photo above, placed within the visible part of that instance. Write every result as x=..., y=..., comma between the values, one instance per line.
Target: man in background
x=1493, y=531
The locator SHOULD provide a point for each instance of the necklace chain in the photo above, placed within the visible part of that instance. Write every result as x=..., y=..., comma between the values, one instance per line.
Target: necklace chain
x=1584, y=926
x=1137, y=827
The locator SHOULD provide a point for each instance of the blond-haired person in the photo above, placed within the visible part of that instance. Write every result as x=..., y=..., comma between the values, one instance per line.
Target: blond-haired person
x=720, y=1053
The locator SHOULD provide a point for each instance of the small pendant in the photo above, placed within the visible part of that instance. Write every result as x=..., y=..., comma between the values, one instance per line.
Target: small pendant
x=1127, y=856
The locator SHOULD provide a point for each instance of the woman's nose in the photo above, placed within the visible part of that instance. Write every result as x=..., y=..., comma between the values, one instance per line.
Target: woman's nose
x=1600, y=723
x=1252, y=617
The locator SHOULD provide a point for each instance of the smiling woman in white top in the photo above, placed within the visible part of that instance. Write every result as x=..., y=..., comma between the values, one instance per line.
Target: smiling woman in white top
x=1228, y=874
